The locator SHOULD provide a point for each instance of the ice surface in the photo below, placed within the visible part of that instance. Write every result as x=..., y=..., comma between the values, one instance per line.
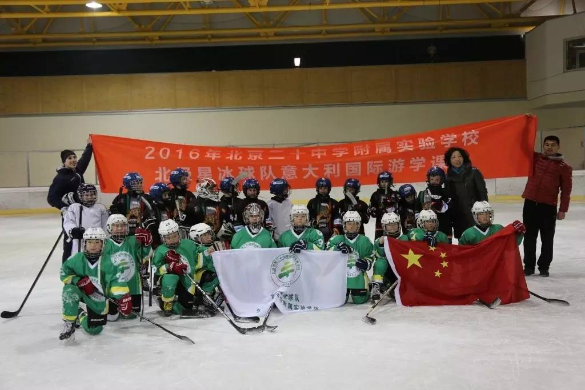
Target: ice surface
x=530, y=345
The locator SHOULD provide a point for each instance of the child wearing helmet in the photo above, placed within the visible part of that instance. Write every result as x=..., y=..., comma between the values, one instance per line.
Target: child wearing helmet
x=361, y=255
x=134, y=204
x=383, y=275
x=383, y=200
x=300, y=235
x=163, y=209
x=81, y=216
x=205, y=274
x=183, y=200
x=279, y=206
x=351, y=188
x=251, y=189
x=128, y=253
x=173, y=260
x=210, y=211
x=428, y=229
x=253, y=235
x=483, y=215
x=229, y=199
x=324, y=210
x=91, y=278
x=408, y=207
x=436, y=198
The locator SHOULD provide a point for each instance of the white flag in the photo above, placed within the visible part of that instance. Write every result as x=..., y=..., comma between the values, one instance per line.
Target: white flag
x=252, y=279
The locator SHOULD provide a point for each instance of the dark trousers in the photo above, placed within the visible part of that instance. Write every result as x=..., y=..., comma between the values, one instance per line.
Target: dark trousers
x=539, y=217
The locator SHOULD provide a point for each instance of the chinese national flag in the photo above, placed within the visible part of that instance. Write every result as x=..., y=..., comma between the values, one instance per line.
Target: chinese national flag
x=458, y=275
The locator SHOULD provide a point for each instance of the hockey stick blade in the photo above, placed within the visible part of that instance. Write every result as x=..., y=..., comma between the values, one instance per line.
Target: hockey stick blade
x=372, y=321
x=264, y=326
x=550, y=300
x=9, y=314
x=492, y=305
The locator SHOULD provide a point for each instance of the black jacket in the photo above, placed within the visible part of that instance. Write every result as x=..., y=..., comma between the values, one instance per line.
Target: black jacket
x=361, y=207
x=68, y=180
x=465, y=189
x=324, y=215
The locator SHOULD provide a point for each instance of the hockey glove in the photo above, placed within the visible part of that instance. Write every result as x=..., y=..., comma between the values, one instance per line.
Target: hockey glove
x=362, y=264
x=86, y=285
x=269, y=225
x=77, y=233
x=172, y=257
x=298, y=246
x=125, y=305
x=373, y=212
x=177, y=268
x=519, y=227
x=69, y=198
x=227, y=231
x=344, y=248
x=143, y=236
x=430, y=239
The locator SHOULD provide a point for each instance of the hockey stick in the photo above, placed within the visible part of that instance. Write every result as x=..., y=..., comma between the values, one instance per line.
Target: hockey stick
x=184, y=338
x=372, y=321
x=12, y=314
x=79, y=249
x=256, y=329
x=550, y=300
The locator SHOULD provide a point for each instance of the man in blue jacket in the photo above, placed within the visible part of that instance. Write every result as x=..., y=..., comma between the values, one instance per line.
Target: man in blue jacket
x=63, y=190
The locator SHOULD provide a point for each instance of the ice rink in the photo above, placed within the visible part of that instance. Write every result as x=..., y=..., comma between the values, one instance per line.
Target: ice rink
x=531, y=345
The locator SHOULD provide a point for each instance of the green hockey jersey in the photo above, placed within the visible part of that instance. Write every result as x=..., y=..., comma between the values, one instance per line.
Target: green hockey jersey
x=104, y=275
x=127, y=256
x=313, y=237
x=362, y=248
x=381, y=263
x=244, y=239
x=418, y=234
x=474, y=235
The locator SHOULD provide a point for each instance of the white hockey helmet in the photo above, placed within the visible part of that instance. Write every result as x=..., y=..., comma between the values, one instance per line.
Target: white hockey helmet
x=482, y=207
x=198, y=230
x=299, y=209
x=207, y=189
x=116, y=219
x=93, y=233
x=352, y=216
x=389, y=218
x=425, y=216
x=166, y=230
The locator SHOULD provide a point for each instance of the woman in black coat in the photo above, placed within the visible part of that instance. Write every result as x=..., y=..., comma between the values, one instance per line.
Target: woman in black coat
x=63, y=190
x=466, y=185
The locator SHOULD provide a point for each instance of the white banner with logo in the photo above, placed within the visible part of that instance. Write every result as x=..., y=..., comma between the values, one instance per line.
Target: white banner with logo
x=252, y=279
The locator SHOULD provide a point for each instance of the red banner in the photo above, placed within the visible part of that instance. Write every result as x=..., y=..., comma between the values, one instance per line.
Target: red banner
x=458, y=275
x=499, y=148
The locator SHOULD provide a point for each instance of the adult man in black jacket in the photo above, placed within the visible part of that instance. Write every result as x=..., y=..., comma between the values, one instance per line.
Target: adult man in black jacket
x=63, y=190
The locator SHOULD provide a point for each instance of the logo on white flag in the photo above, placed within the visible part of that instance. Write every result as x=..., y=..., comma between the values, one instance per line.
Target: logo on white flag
x=285, y=269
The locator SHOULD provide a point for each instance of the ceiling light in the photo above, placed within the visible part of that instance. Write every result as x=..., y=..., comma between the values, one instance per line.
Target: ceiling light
x=297, y=61
x=93, y=5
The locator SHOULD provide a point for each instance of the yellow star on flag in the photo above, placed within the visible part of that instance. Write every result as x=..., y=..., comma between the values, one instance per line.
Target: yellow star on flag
x=443, y=255
x=432, y=248
x=438, y=274
x=412, y=259
x=445, y=264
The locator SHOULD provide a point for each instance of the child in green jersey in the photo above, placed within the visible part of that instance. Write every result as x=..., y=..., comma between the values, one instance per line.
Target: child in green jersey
x=301, y=235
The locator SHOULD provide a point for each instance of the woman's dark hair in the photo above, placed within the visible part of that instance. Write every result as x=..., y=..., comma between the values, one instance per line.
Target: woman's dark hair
x=464, y=153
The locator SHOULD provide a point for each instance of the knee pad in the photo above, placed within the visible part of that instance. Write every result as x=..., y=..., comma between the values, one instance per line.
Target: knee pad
x=136, y=303
x=92, y=322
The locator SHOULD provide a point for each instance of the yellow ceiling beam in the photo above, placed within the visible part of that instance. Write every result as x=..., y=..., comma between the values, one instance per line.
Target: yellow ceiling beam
x=243, y=10
x=410, y=26
x=254, y=39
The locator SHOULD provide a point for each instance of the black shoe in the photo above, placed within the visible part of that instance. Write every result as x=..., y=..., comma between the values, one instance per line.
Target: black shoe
x=544, y=273
x=529, y=271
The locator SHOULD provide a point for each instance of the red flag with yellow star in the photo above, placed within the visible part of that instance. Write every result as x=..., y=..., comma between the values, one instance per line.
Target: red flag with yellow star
x=458, y=275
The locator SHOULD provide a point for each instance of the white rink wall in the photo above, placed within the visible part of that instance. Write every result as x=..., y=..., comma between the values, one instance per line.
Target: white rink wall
x=34, y=199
